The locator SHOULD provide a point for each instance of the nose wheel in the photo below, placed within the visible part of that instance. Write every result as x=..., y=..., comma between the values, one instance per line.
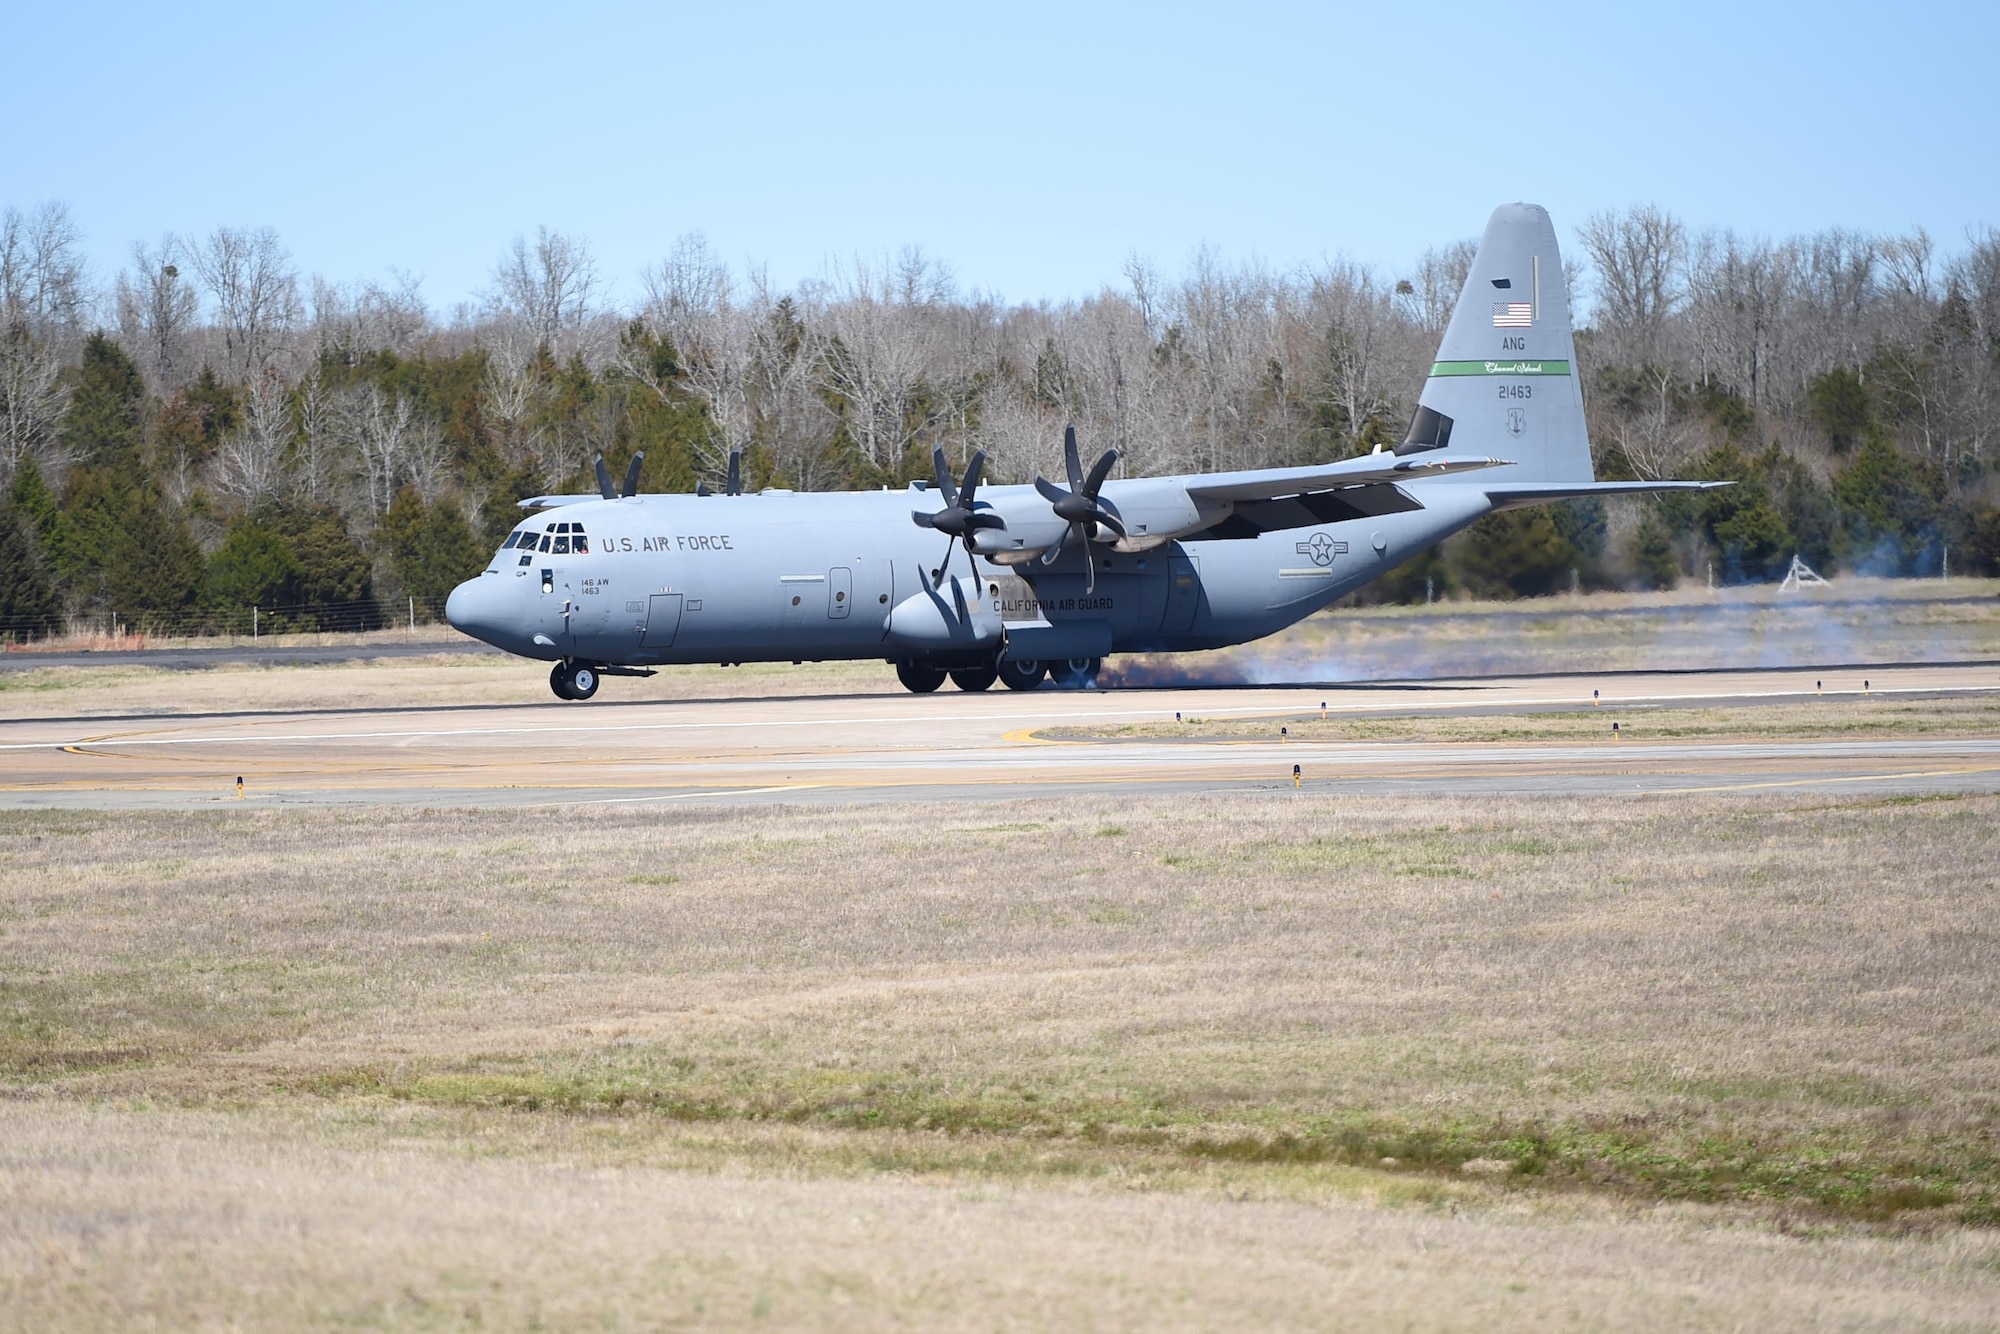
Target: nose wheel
x=573, y=680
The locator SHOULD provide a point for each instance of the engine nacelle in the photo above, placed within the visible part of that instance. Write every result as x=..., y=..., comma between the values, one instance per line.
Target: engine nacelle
x=1154, y=510
x=958, y=614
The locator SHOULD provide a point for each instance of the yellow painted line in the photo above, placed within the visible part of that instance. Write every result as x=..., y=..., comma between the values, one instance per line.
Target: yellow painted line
x=1815, y=782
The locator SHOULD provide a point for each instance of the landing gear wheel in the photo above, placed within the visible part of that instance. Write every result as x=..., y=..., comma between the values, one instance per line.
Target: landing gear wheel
x=919, y=678
x=1077, y=673
x=974, y=678
x=583, y=681
x=559, y=680
x=1022, y=675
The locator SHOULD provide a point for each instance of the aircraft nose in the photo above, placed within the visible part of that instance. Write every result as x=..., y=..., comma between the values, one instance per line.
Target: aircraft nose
x=474, y=608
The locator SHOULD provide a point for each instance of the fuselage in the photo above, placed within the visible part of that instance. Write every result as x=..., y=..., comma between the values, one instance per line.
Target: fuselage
x=777, y=576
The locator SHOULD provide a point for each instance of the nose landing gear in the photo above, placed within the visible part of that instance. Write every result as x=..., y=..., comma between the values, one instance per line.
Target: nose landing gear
x=573, y=680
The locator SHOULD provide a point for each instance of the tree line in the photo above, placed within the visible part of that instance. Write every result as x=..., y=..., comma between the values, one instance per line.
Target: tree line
x=208, y=432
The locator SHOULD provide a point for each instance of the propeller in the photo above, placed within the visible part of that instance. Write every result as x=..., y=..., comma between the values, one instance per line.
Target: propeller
x=1078, y=505
x=732, y=487
x=609, y=492
x=959, y=519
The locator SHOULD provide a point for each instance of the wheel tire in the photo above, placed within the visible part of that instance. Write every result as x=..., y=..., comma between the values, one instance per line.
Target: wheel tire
x=1074, y=673
x=559, y=680
x=583, y=681
x=975, y=678
x=919, y=678
x=1022, y=675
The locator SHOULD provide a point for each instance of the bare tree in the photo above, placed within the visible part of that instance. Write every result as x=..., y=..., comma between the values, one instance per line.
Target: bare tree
x=256, y=295
x=426, y=456
x=886, y=334
x=157, y=309
x=375, y=428
x=1358, y=345
x=316, y=446
x=42, y=283
x=1430, y=294
x=510, y=394
x=370, y=317
x=689, y=301
x=545, y=293
x=250, y=463
x=793, y=420
x=1639, y=257
x=32, y=401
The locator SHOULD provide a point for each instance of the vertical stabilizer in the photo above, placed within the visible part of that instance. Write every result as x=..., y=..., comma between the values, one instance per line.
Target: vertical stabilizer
x=1505, y=380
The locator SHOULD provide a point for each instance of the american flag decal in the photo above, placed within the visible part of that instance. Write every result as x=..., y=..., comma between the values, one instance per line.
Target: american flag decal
x=1513, y=314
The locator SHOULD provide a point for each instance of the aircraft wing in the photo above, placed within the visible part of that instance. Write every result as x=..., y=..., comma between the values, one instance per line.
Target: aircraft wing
x=1368, y=470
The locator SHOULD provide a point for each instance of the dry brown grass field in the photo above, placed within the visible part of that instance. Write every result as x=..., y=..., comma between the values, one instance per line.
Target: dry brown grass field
x=1293, y=1062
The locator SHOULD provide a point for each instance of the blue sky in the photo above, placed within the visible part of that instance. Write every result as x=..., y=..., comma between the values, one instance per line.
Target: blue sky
x=1032, y=147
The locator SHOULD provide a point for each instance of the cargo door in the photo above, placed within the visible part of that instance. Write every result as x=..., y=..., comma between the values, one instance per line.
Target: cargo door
x=663, y=620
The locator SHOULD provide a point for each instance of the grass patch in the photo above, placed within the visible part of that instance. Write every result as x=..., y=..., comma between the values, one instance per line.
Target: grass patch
x=1715, y=999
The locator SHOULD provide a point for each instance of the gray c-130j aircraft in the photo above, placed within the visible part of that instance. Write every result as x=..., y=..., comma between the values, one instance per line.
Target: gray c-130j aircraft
x=1053, y=578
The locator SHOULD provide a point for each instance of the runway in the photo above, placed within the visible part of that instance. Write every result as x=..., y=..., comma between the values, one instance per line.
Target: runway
x=859, y=749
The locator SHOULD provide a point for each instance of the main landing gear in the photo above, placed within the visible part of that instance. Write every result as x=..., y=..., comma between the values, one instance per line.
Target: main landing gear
x=573, y=680
x=923, y=677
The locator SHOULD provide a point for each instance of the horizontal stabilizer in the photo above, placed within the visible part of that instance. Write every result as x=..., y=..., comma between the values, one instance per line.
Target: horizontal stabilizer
x=1507, y=495
x=1369, y=469
x=550, y=502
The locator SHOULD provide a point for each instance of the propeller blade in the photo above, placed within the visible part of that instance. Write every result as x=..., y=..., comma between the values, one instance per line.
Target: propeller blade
x=1108, y=520
x=735, y=473
x=632, y=474
x=1099, y=473
x=604, y=487
x=1071, y=462
x=986, y=520
x=1054, y=553
x=701, y=489
x=1050, y=491
x=924, y=518
x=943, y=474
x=1089, y=570
x=972, y=474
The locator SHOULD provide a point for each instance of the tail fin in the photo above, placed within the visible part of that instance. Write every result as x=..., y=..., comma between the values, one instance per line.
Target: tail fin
x=1505, y=380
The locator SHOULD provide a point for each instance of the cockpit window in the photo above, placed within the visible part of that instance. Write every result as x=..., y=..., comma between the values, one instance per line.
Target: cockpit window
x=562, y=544
x=545, y=542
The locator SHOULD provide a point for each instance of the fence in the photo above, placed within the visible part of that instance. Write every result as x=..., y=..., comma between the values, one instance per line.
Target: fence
x=109, y=628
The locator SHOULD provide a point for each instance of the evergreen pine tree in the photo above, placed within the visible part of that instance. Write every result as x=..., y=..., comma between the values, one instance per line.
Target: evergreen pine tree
x=105, y=424
x=29, y=608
